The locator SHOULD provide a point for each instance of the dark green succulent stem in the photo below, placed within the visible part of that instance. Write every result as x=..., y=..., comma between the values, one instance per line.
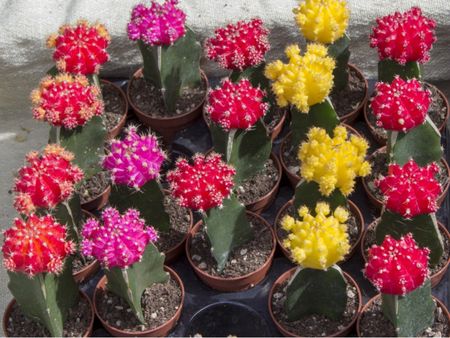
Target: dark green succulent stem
x=412, y=313
x=308, y=194
x=340, y=51
x=254, y=74
x=391, y=138
x=388, y=69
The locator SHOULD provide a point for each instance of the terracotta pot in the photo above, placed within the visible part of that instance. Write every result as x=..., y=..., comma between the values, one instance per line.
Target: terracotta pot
x=118, y=128
x=369, y=303
x=167, y=127
x=87, y=333
x=232, y=284
x=350, y=117
x=378, y=203
x=382, y=140
x=293, y=177
x=435, y=278
x=160, y=331
x=98, y=202
x=288, y=274
x=354, y=211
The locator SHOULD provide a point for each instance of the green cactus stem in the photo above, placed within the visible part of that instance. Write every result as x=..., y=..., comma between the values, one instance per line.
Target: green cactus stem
x=339, y=50
x=388, y=69
x=412, y=313
x=316, y=292
x=308, y=194
x=70, y=214
x=130, y=283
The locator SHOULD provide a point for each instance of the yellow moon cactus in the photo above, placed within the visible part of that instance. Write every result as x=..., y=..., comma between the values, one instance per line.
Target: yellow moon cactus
x=323, y=21
x=333, y=162
x=317, y=241
x=304, y=80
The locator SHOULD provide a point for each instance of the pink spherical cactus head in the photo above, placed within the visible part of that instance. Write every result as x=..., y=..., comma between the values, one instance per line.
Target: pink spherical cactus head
x=202, y=185
x=410, y=190
x=135, y=160
x=400, y=105
x=37, y=245
x=239, y=46
x=397, y=267
x=158, y=24
x=118, y=240
x=404, y=37
x=236, y=105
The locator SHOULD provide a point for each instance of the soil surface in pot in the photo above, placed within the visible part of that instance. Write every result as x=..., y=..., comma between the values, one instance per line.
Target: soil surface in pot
x=437, y=111
x=257, y=186
x=92, y=188
x=369, y=240
x=179, y=226
x=352, y=229
x=76, y=324
x=80, y=262
x=149, y=100
x=114, y=105
x=159, y=303
x=313, y=325
x=374, y=324
x=379, y=164
x=242, y=261
x=273, y=117
x=347, y=100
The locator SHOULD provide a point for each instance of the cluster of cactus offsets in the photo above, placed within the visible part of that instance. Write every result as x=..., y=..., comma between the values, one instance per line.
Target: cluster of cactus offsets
x=47, y=179
x=135, y=159
x=404, y=37
x=400, y=105
x=119, y=240
x=158, y=24
x=303, y=81
x=202, y=185
x=238, y=46
x=66, y=101
x=333, y=162
x=318, y=240
x=80, y=49
x=411, y=190
x=397, y=267
x=236, y=105
x=323, y=21
x=37, y=245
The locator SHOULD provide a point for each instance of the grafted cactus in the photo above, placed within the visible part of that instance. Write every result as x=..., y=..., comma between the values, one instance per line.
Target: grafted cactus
x=399, y=270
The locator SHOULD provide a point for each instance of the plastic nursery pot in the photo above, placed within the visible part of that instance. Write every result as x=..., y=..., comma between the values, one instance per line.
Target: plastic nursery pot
x=160, y=331
x=87, y=333
x=98, y=202
x=350, y=117
x=378, y=203
x=354, y=210
x=436, y=277
x=369, y=304
x=166, y=126
x=341, y=333
x=293, y=177
x=119, y=126
x=382, y=140
x=232, y=284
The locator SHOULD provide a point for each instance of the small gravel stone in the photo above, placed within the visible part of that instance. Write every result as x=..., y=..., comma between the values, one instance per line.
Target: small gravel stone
x=202, y=266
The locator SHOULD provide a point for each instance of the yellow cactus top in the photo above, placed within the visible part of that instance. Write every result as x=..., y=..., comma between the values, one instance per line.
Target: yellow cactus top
x=333, y=162
x=304, y=80
x=323, y=21
x=318, y=241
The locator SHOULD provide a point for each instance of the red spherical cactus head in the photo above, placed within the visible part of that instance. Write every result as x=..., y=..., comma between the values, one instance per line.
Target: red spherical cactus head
x=37, y=245
x=239, y=46
x=397, y=267
x=81, y=48
x=400, y=105
x=236, y=105
x=202, y=185
x=410, y=190
x=46, y=180
x=404, y=37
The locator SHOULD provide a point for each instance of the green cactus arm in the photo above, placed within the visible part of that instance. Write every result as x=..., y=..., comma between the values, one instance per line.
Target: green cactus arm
x=47, y=297
x=388, y=69
x=340, y=51
x=70, y=214
x=254, y=74
x=308, y=194
x=316, y=292
x=149, y=200
x=227, y=228
x=130, y=283
x=412, y=313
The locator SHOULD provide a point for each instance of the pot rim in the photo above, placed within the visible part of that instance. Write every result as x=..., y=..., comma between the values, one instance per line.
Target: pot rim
x=365, y=98
x=106, y=191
